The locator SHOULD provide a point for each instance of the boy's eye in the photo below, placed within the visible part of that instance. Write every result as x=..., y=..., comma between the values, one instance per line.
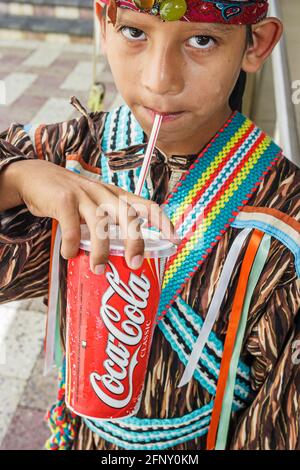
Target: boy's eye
x=198, y=42
x=132, y=34
x=201, y=42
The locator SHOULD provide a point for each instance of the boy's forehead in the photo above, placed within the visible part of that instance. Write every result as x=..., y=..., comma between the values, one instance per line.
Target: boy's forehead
x=125, y=15
x=233, y=12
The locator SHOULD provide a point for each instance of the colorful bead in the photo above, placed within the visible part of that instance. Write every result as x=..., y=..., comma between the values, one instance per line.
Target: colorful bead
x=144, y=4
x=172, y=10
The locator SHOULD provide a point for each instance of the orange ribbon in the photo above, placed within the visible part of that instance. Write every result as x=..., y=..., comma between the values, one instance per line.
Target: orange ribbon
x=233, y=325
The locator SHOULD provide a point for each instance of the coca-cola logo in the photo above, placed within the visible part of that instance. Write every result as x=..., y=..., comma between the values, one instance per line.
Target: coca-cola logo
x=119, y=365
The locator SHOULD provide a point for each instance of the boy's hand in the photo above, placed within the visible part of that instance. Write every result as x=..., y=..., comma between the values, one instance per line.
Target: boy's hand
x=49, y=190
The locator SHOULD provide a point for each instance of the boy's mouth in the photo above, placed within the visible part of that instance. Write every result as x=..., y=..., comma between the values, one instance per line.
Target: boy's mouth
x=167, y=116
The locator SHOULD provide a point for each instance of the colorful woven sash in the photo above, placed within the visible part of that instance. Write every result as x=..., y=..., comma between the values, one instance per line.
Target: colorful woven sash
x=181, y=327
x=207, y=198
x=154, y=434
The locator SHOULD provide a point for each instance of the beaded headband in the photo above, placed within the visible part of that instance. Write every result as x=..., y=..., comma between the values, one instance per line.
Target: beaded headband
x=205, y=11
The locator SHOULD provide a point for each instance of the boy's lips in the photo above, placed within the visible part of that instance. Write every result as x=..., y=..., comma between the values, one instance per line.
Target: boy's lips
x=167, y=116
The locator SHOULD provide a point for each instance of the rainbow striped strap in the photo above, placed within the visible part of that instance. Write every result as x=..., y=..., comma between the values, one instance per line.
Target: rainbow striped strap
x=210, y=195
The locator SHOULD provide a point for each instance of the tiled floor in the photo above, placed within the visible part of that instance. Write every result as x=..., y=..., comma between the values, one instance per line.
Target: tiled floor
x=39, y=80
x=22, y=384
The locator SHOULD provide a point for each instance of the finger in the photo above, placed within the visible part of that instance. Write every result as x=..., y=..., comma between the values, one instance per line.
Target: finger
x=69, y=221
x=134, y=243
x=156, y=216
x=159, y=219
x=98, y=224
x=121, y=213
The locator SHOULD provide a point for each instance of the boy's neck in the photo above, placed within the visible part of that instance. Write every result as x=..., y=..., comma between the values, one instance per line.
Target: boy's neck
x=204, y=135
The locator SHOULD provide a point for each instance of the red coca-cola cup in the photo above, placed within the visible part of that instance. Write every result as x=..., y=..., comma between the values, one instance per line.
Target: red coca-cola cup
x=110, y=325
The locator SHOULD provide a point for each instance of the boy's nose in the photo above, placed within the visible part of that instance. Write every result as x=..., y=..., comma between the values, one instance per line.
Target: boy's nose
x=162, y=72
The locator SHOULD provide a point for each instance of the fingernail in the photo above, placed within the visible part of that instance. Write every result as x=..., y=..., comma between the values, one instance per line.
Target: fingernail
x=99, y=269
x=136, y=261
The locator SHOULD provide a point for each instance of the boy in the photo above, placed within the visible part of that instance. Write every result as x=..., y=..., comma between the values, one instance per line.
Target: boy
x=223, y=367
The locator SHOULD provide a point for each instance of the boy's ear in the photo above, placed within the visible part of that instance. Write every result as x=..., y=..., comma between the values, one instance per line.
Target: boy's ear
x=102, y=21
x=266, y=35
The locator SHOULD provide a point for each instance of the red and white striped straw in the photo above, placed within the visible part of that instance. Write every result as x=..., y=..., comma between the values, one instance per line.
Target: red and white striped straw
x=147, y=159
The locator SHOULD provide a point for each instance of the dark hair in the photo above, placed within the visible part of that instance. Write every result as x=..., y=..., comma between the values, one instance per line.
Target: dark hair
x=236, y=97
x=249, y=36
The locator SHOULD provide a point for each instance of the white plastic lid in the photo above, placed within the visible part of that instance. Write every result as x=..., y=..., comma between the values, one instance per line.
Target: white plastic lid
x=155, y=246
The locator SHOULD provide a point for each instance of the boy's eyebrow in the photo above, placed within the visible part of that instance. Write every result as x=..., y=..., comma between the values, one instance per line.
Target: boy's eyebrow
x=128, y=15
x=218, y=28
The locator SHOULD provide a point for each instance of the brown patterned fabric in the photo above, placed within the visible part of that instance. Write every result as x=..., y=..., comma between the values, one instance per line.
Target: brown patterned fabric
x=272, y=421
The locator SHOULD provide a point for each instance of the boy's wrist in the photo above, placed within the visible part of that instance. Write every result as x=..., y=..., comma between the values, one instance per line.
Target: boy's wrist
x=10, y=180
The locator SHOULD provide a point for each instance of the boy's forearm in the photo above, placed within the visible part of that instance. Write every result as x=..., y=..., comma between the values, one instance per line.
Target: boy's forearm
x=9, y=194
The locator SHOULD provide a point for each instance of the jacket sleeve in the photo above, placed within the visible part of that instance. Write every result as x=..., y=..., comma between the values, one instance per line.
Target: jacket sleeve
x=25, y=240
x=272, y=422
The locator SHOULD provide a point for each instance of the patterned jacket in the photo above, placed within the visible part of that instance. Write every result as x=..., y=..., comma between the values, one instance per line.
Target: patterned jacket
x=271, y=419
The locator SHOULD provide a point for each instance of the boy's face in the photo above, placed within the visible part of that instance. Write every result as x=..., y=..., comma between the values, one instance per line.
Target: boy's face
x=175, y=66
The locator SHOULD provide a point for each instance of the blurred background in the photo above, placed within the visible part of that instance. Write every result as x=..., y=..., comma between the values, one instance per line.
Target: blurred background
x=49, y=50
